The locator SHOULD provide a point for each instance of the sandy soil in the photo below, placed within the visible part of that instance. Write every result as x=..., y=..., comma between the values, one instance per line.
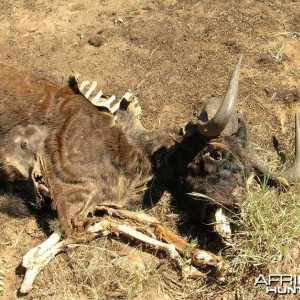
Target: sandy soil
x=172, y=54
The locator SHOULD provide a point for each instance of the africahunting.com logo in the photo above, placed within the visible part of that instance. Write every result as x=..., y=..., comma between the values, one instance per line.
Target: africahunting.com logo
x=281, y=284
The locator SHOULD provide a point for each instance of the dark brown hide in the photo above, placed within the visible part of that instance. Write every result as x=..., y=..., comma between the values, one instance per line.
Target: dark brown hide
x=213, y=167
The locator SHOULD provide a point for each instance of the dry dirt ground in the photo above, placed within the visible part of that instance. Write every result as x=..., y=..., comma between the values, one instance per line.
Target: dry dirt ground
x=172, y=54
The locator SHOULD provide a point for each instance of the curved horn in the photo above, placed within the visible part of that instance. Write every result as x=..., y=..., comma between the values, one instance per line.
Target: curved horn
x=292, y=175
x=220, y=120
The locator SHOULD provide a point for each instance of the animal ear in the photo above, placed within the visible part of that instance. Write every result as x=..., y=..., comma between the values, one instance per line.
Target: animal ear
x=72, y=83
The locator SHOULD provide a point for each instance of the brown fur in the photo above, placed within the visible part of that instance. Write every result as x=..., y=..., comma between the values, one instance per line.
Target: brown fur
x=88, y=159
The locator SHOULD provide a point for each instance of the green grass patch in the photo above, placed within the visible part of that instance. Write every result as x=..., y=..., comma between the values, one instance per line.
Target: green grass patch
x=269, y=232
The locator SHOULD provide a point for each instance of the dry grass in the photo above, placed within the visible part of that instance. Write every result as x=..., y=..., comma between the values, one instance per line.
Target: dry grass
x=104, y=269
x=266, y=241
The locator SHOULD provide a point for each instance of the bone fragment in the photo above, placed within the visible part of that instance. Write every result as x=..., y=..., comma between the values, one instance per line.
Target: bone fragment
x=83, y=85
x=91, y=89
x=127, y=96
x=37, y=258
x=199, y=258
x=222, y=224
x=140, y=217
x=103, y=102
x=130, y=232
x=97, y=97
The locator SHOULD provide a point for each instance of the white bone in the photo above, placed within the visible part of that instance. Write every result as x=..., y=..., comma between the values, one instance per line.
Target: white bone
x=200, y=257
x=137, y=216
x=222, y=224
x=111, y=226
x=91, y=89
x=37, y=258
x=111, y=99
x=114, y=108
x=98, y=101
x=127, y=96
x=104, y=102
x=97, y=97
x=83, y=85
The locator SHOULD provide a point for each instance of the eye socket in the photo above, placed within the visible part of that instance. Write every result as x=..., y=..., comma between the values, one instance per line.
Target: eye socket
x=24, y=145
x=216, y=155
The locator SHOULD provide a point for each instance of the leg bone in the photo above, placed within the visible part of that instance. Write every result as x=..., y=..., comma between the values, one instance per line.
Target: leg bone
x=130, y=232
x=37, y=258
x=199, y=258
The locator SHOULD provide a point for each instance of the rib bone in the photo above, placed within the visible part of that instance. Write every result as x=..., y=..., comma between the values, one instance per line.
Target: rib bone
x=100, y=100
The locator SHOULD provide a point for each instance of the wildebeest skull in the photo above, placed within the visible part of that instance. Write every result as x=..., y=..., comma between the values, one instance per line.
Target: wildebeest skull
x=217, y=156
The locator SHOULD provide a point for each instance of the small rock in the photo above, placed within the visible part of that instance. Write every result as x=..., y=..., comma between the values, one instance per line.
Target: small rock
x=32, y=29
x=97, y=41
